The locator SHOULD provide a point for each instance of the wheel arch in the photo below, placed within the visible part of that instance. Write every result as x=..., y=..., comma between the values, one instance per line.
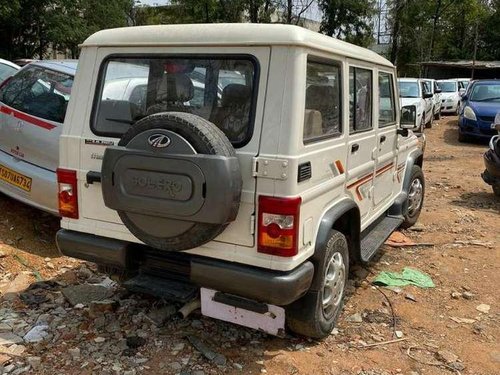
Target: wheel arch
x=344, y=217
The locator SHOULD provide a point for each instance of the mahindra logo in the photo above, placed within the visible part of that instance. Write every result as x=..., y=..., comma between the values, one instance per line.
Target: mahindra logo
x=159, y=140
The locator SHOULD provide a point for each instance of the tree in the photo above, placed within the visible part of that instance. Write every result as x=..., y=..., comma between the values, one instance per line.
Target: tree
x=350, y=20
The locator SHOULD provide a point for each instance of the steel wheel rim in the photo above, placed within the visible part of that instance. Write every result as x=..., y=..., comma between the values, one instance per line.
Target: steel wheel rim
x=333, y=287
x=415, y=195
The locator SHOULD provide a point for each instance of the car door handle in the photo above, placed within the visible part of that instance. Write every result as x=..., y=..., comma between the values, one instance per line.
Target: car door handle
x=382, y=139
x=93, y=176
x=354, y=148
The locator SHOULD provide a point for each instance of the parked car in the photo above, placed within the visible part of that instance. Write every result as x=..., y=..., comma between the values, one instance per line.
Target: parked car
x=450, y=96
x=491, y=174
x=7, y=69
x=480, y=106
x=258, y=199
x=436, y=99
x=33, y=105
x=416, y=92
x=464, y=83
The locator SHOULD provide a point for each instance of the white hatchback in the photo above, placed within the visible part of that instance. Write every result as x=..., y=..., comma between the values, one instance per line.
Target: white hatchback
x=33, y=105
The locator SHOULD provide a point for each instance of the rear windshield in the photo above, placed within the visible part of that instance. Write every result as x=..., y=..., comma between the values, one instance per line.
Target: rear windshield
x=448, y=86
x=39, y=91
x=486, y=93
x=219, y=89
x=408, y=89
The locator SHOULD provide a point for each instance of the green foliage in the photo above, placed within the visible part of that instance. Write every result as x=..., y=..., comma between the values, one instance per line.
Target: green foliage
x=427, y=30
x=350, y=20
x=29, y=27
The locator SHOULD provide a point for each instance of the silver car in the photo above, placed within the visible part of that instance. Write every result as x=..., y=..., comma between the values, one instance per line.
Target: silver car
x=7, y=69
x=32, y=109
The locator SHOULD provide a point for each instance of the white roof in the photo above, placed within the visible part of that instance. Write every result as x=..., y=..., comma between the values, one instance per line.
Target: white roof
x=9, y=63
x=408, y=79
x=237, y=34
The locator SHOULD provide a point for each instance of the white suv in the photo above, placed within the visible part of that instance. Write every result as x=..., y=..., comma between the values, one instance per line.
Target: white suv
x=254, y=161
x=417, y=92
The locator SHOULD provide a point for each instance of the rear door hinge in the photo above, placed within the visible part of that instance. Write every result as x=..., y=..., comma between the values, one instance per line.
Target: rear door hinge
x=276, y=169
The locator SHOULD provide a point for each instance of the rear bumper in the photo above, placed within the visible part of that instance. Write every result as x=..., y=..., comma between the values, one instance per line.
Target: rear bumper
x=449, y=107
x=43, y=194
x=273, y=287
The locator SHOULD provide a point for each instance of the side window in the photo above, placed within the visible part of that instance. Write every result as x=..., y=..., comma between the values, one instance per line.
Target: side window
x=360, y=99
x=39, y=92
x=387, y=110
x=322, y=105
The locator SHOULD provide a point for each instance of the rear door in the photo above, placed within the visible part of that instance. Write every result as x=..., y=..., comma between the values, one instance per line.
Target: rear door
x=129, y=86
x=32, y=106
x=362, y=143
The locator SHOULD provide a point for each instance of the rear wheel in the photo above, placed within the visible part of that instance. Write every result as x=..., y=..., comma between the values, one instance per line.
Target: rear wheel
x=437, y=115
x=315, y=314
x=415, y=200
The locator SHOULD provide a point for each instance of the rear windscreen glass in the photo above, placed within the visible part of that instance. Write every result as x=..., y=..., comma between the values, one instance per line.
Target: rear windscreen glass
x=219, y=89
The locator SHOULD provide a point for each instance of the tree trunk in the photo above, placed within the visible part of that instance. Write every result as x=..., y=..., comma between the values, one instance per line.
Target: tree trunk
x=398, y=4
x=434, y=27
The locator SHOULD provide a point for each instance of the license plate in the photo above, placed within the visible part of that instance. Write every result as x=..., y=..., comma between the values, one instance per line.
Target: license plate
x=17, y=179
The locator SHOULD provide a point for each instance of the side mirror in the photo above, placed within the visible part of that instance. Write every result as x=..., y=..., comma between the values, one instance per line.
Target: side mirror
x=438, y=91
x=461, y=92
x=408, y=118
x=428, y=95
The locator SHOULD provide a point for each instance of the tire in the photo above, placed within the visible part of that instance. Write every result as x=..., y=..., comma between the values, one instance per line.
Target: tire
x=496, y=190
x=462, y=138
x=308, y=316
x=205, y=138
x=429, y=124
x=437, y=115
x=415, y=200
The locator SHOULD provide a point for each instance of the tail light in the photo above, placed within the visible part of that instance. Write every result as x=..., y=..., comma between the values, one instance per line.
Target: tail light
x=68, y=193
x=278, y=226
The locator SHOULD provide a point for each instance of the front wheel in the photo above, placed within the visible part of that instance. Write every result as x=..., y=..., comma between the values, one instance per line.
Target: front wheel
x=437, y=115
x=496, y=190
x=315, y=314
x=415, y=199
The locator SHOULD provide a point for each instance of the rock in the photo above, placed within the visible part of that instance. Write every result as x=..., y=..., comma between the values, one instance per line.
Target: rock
x=98, y=308
x=176, y=366
x=410, y=297
x=399, y=334
x=468, y=295
x=455, y=295
x=99, y=339
x=36, y=334
x=446, y=356
x=417, y=228
x=34, y=362
x=483, y=308
x=462, y=320
x=161, y=315
x=458, y=366
x=238, y=366
x=4, y=327
x=74, y=353
x=8, y=369
x=2, y=254
x=21, y=282
x=50, y=265
x=355, y=318
x=8, y=338
x=178, y=347
x=85, y=293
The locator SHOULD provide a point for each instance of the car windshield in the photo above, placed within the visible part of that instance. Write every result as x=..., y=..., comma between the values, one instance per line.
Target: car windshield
x=448, y=86
x=486, y=92
x=6, y=71
x=408, y=89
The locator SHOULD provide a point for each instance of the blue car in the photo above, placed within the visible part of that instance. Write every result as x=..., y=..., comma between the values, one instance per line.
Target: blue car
x=480, y=105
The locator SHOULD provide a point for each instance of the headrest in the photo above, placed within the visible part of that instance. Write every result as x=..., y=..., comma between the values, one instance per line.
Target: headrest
x=318, y=97
x=235, y=94
x=175, y=88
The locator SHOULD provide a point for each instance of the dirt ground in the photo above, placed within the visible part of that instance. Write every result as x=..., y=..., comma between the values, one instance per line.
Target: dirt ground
x=440, y=330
